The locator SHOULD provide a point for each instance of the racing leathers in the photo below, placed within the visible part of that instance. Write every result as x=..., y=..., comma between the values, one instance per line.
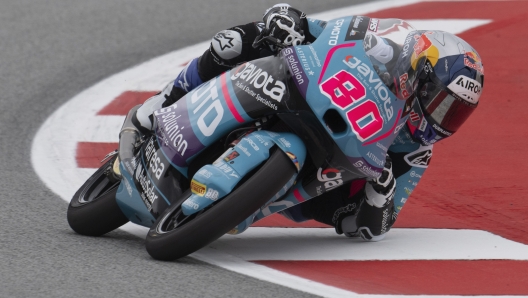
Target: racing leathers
x=368, y=209
x=361, y=208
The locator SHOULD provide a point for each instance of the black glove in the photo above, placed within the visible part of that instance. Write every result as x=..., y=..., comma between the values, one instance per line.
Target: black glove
x=284, y=23
x=376, y=214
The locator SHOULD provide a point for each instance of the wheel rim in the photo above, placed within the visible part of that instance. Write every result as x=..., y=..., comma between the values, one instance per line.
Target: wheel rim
x=176, y=219
x=100, y=185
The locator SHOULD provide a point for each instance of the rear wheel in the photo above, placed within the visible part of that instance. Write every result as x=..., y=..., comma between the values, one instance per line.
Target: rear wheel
x=93, y=210
x=175, y=235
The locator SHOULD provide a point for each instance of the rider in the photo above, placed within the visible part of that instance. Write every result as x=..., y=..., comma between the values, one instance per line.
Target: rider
x=450, y=80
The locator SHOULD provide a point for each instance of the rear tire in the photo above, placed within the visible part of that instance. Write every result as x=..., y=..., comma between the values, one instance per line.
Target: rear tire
x=93, y=210
x=175, y=235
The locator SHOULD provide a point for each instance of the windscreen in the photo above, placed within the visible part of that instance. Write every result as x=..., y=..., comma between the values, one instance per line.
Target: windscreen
x=393, y=46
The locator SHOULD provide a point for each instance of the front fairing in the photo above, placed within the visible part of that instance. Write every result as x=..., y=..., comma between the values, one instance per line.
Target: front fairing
x=338, y=79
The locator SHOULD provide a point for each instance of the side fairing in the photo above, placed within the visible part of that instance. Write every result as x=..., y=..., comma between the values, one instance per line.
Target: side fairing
x=334, y=73
x=217, y=107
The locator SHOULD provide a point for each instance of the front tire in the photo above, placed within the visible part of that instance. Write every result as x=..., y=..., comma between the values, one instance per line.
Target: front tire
x=175, y=235
x=93, y=210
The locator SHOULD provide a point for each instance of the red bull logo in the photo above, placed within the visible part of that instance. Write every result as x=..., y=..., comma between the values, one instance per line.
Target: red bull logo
x=424, y=47
x=422, y=44
x=474, y=56
x=472, y=60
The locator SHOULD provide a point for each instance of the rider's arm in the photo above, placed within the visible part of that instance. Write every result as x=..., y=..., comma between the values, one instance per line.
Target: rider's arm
x=386, y=195
x=410, y=160
x=228, y=48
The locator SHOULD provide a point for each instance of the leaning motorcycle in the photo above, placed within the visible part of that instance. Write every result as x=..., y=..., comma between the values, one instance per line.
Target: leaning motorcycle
x=260, y=138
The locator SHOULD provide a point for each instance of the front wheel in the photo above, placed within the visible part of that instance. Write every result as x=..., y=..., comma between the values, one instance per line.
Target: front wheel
x=175, y=235
x=93, y=210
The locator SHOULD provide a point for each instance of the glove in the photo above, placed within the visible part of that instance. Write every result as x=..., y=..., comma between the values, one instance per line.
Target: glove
x=376, y=214
x=284, y=23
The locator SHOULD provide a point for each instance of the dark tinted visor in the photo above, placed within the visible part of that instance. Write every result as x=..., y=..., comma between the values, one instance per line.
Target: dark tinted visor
x=442, y=107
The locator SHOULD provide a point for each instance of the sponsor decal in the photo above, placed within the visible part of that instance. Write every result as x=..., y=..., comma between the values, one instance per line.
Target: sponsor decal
x=366, y=169
x=330, y=177
x=198, y=188
x=315, y=56
x=261, y=80
x=223, y=40
x=423, y=125
x=407, y=44
x=243, y=149
x=466, y=88
x=415, y=175
x=424, y=48
x=407, y=190
x=403, y=86
x=384, y=221
x=172, y=130
x=252, y=144
x=472, y=60
x=356, y=21
x=285, y=142
x=295, y=68
x=211, y=194
x=347, y=209
x=234, y=154
x=381, y=146
x=255, y=95
x=357, y=28
x=229, y=171
x=398, y=128
x=213, y=110
x=372, y=79
x=375, y=159
x=420, y=158
x=334, y=34
x=414, y=116
x=443, y=131
x=422, y=44
x=369, y=42
x=156, y=166
x=428, y=142
x=205, y=173
x=191, y=204
x=304, y=61
x=261, y=139
x=148, y=194
x=373, y=25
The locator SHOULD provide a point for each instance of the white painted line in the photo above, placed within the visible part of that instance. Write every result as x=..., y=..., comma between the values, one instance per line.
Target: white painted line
x=427, y=244
x=454, y=26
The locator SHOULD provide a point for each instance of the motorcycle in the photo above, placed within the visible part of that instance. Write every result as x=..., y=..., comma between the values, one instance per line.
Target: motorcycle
x=258, y=139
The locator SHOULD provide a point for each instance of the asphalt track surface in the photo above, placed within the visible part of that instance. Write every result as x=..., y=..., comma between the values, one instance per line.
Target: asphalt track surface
x=49, y=52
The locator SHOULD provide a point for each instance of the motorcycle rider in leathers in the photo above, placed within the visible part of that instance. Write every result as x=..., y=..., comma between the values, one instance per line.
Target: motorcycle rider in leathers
x=362, y=208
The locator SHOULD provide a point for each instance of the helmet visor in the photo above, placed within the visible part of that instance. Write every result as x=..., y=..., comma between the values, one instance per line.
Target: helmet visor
x=443, y=108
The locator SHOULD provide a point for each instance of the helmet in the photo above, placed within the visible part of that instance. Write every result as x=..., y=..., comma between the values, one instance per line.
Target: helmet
x=284, y=23
x=449, y=85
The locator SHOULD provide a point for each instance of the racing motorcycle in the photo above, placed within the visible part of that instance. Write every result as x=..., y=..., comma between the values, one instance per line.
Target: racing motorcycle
x=260, y=138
